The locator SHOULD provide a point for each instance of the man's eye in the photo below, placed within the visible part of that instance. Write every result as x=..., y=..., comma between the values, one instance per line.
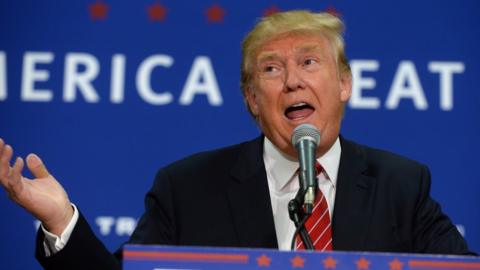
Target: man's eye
x=309, y=61
x=269, y=69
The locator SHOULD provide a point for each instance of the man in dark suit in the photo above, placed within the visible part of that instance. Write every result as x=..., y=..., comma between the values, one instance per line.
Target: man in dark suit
x=294, y=71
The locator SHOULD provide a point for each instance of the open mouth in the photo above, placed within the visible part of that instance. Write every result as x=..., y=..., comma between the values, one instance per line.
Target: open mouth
x=299, y=111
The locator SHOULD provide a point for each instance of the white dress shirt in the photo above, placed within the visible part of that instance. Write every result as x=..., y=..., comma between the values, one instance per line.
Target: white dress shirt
x=53, y=243
x=283, y=184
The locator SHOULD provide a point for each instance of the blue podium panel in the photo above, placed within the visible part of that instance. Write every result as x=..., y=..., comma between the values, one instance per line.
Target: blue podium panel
x=136, y=257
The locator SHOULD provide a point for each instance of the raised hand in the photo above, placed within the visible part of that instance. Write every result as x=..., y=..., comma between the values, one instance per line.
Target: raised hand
x=43, y=196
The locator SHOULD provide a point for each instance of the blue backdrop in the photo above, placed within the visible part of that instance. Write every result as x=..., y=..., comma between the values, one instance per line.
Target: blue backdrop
x=107, y=92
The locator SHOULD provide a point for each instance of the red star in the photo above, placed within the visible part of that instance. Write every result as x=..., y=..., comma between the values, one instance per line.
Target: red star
x=362, y=264
x=98, y=10
x=333, y=11
x=329, y=263
x=298, y=262
x=156, y=12
x=270, y=11
x=395, y=264
x=215, y=14
x=263, y=260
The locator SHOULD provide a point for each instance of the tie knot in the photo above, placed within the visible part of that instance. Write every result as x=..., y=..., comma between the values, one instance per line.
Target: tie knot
x=318, y=168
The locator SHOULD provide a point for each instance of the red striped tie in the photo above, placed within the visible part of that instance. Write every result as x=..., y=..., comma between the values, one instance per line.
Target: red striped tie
x=318, y=225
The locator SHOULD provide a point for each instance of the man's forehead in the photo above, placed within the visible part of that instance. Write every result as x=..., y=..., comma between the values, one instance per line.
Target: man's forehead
x=294, y=44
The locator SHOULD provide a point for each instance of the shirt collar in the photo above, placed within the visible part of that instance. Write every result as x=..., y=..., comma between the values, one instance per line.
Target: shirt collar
x=282, y=167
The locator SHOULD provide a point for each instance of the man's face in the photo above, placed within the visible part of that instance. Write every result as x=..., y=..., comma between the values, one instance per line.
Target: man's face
x=296, y=81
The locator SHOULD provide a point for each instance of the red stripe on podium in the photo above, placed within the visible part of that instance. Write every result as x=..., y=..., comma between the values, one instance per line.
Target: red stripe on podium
x=443, y=265
x=186, y=256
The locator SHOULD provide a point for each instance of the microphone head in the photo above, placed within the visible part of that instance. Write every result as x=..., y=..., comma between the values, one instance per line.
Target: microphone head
x=305, y=131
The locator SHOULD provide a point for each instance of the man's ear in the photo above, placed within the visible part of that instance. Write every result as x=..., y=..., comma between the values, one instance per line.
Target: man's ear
x=345, y=86
x=251, y=99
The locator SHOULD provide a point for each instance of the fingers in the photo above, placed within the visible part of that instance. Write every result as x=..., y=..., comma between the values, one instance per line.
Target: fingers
x=10, y=177
x=15, y=179
x=5, y=156
x=2, y=144
x=36, y=166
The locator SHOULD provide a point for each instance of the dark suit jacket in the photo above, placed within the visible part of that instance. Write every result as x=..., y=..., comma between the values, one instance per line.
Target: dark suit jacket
x=221, y=198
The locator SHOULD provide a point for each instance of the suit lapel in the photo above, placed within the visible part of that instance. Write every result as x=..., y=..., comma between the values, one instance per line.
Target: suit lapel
x=249, y=198
x=353, y=200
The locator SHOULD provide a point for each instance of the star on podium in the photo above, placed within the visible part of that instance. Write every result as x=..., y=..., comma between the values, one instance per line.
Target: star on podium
x=395, y=264
x=329, y=263
x=264, y=261
x=297, y=262
x=362, y=264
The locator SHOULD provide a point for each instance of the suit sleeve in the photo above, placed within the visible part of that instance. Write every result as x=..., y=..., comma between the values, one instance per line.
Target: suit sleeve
x=85, y=251
x=433, y=231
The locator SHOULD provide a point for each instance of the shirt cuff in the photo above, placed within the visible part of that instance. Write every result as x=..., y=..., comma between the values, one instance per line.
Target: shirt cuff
x=53, y=243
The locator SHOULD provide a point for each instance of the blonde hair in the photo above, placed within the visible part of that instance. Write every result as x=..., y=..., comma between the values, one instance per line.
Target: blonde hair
x=295, y=22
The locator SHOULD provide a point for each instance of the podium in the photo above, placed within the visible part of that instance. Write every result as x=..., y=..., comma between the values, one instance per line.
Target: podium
x=137, y=257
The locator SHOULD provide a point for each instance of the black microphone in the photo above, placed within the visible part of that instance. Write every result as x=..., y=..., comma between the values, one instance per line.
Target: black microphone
x=305, y=139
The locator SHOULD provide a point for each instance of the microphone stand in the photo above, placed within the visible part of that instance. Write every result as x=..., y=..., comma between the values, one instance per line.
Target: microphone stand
x=298, y=216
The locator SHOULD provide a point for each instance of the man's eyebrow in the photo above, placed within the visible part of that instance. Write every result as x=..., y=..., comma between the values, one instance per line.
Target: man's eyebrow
x=309, y=47
x=268, y=56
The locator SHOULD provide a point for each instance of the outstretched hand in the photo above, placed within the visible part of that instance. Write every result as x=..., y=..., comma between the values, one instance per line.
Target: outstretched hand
x=43, y=196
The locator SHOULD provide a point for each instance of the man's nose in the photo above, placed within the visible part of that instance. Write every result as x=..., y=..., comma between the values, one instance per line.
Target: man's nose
x=293, y=79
